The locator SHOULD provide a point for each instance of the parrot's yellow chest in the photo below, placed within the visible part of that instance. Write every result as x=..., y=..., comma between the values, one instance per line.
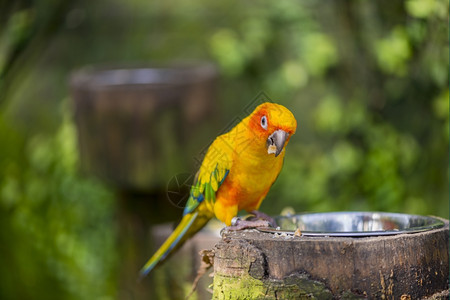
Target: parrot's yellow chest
x=256, y=178
x=250, y=179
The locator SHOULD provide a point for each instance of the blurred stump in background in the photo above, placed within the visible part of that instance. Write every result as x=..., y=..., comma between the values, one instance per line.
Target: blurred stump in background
x=132, y=122
x=135, y=129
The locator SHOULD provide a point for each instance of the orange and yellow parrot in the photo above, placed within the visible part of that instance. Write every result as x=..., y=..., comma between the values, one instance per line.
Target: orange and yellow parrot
x=236, y=174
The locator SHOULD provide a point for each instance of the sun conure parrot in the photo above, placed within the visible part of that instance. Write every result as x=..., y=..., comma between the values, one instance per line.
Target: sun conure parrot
x=236, y=174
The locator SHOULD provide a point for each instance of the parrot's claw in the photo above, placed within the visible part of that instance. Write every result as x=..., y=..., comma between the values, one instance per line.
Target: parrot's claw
x=239, y=224
x=263, y=216
x=260, y=219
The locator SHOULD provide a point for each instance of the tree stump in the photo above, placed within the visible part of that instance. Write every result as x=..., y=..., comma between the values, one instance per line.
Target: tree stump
x=256, y=265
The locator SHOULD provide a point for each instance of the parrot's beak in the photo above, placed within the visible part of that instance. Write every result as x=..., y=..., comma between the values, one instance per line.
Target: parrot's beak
x=275, y=142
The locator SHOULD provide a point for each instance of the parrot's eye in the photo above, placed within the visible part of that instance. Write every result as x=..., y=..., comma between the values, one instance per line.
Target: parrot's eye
x=264, y=122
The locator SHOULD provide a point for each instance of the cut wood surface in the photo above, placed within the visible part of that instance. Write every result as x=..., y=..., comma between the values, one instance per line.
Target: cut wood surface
x=255, y=265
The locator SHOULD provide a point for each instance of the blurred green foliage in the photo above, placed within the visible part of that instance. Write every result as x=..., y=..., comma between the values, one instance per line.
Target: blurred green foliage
x=52, y=235
x=367, y=81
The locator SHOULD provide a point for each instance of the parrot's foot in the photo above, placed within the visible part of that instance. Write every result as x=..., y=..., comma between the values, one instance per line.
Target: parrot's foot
x=239, y=224
x=263, y=216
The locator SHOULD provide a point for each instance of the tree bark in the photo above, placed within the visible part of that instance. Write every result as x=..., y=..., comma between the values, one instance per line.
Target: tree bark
x=255, y=265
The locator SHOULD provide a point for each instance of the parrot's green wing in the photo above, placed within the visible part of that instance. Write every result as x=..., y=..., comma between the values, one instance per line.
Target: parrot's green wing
x=214, y=169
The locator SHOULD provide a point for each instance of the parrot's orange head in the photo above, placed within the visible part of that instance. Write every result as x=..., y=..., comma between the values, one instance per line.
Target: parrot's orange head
x=272, y=124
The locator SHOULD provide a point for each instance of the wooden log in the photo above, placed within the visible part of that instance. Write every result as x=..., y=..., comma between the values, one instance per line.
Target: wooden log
x=255, y=265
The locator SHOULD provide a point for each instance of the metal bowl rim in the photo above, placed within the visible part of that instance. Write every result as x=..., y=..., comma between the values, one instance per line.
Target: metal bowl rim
x=435, y=223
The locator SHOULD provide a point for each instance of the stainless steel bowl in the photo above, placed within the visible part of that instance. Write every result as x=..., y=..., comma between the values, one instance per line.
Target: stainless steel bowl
x=353, y=224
